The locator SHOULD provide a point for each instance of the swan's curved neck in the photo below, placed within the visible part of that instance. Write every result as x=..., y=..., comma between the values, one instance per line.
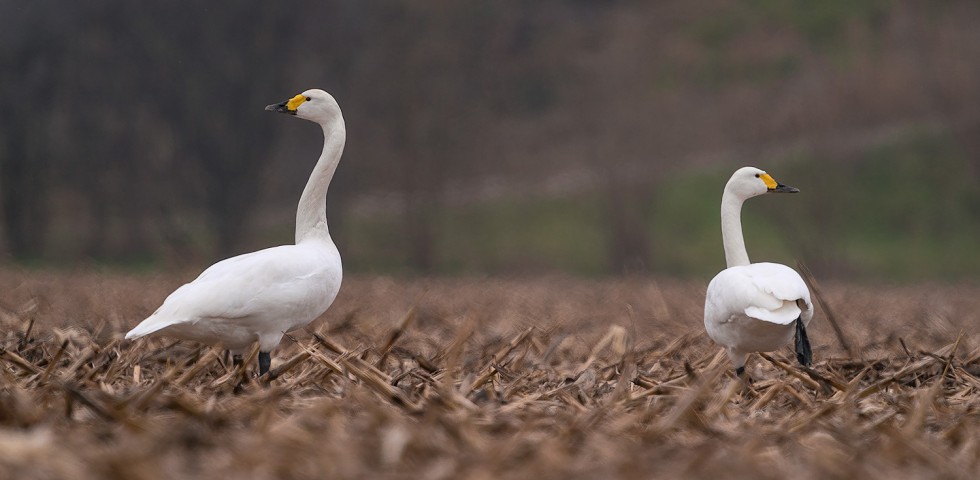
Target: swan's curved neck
x=731, y=230
x=311, y=215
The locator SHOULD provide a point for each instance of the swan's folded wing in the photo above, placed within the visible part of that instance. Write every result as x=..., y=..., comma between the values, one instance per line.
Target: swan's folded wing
x=779, y=281
x=766, y=291
x=263, y=281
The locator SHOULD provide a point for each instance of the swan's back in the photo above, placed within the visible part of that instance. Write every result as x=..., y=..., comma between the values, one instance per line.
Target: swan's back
x=763, y=291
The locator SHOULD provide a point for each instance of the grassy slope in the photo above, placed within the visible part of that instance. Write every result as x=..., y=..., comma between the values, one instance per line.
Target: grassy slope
x=904, y=210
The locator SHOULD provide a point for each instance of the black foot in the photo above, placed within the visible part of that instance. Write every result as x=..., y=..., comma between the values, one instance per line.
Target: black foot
x=265, y=361
x=236, y=360
x=744, y=377
x=802, y=344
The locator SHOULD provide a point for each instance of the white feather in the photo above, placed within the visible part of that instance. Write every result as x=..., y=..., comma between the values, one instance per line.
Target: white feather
x=252, y=297
x=764, y=291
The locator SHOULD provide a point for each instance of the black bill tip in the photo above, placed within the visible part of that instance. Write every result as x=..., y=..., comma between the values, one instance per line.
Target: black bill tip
x=780, y=188
x=280, y=108
x=802, y=345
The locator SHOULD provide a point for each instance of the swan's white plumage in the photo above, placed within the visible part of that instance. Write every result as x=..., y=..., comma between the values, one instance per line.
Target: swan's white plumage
x=765, y=291
x=252, y=297
x=752, y=307
x=258, y=296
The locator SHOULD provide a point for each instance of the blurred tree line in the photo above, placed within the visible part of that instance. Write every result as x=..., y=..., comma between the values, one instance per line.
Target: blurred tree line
x=135, y=130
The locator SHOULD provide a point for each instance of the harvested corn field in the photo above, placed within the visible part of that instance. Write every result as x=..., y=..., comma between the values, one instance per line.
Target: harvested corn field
x=487, y=378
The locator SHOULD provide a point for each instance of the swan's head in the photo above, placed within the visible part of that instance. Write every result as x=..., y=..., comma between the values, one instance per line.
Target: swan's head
x=749, y=182
x=314, y=105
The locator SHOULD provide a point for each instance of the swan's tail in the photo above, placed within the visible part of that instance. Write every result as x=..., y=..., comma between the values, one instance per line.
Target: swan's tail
x=802, y=345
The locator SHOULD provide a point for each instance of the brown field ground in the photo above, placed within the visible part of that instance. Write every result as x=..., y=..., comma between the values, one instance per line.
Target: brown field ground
x=487, y=378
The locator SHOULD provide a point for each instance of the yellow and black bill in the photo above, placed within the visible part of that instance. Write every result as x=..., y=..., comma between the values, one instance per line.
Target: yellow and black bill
x=289, y=106
x=777, y=187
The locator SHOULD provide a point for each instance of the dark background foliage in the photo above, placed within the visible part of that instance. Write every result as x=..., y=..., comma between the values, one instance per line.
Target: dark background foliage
x=495, y=136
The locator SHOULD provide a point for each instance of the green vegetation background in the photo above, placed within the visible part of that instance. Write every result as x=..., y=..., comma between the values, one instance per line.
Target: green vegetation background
x=903, y=211
x=184, y=173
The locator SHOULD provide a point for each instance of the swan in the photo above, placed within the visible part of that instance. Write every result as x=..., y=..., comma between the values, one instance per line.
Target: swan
x=256, y=297
x=754, y=307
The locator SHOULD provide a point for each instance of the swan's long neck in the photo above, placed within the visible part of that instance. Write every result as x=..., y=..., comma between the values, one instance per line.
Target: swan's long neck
x=311, y=215
x=731, y=230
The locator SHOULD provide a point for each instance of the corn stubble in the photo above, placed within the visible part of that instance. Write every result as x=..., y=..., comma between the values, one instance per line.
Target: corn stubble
x=474, y=378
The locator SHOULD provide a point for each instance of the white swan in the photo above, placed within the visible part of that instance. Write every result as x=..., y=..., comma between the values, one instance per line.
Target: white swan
x=754, y=307
x=258, y=296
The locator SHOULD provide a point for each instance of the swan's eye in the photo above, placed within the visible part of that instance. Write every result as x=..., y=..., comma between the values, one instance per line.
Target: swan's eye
x=756, y=175
x=308, y=99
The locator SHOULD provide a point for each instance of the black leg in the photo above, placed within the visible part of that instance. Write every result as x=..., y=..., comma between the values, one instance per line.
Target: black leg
x=265, y=361
x=802, y=343
x=236, y=360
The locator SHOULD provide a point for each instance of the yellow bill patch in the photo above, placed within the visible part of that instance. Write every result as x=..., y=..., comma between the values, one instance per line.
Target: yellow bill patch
x=295, y=102
x=770, y=183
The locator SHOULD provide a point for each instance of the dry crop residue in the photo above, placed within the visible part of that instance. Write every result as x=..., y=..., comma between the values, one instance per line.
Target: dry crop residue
x=480, y=378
